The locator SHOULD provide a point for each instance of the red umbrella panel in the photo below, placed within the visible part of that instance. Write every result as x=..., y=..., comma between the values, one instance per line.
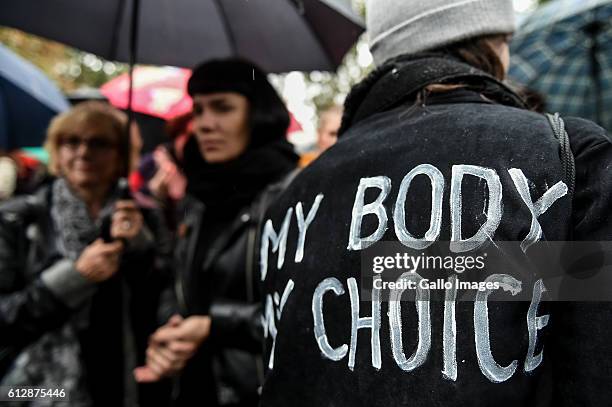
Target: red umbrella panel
x=157, y=91
x=294, y=125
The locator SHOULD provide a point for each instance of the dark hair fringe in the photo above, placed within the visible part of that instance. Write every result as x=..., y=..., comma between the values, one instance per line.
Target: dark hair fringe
x=268, y=115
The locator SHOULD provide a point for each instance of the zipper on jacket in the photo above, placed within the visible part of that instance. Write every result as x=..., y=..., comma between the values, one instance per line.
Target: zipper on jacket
x=190, y=247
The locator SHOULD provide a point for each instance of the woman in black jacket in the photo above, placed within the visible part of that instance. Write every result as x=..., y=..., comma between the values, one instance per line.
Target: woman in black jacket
x=238, y=151
x=75, y=313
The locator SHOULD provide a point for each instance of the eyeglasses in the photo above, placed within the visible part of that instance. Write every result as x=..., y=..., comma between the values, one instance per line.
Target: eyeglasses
x=95, y=143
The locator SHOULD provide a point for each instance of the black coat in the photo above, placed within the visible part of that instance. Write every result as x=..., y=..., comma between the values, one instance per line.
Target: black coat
x=389, y=135
x=216, y=276
x=29, y=308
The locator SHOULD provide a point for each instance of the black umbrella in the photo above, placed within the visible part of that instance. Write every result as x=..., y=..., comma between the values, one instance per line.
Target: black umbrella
x=278, y=35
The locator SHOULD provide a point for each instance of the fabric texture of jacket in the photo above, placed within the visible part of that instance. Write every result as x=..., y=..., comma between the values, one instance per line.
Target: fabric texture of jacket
x=40, y=292
x=219, y=278
x=321, y=346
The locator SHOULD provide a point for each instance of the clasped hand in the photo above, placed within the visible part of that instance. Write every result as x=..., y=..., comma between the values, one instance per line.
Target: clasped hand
x=171, y=346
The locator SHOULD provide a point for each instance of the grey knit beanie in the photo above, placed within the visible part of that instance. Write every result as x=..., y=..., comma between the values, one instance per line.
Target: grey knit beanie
x=398, y=27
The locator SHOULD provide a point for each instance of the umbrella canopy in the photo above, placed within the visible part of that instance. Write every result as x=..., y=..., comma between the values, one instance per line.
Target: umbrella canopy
x=157, y=91
x=564, y=52
x=278, y=35
x=28, y=101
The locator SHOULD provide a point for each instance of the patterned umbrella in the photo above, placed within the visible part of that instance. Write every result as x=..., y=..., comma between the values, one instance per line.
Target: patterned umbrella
x=564, y=52
x=157, y=91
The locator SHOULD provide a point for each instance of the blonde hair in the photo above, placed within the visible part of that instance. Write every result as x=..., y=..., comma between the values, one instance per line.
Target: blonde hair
x=330, y=111
x=95, y=114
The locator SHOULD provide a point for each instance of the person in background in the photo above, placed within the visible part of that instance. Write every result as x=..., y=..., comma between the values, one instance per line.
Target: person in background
x=21, y=174
x=436, y=154
x=8, y=177
x=158, y=181
x=233, y=164
x=82, y=270
x=327, y=133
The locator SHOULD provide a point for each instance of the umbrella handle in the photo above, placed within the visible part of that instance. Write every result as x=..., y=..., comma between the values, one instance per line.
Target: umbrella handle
x=134, y=27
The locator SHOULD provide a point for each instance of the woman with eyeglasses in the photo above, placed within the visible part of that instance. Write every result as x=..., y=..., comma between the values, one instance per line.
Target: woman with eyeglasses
x=80, y=270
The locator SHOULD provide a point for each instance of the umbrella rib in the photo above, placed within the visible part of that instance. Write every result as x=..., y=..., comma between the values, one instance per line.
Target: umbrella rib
x=228, y=31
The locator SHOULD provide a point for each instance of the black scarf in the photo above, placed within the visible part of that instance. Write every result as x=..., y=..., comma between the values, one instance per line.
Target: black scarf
x=229, y=187
x=401, y=78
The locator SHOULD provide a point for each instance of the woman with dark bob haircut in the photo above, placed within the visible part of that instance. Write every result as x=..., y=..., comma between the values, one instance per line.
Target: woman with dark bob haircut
x=235, y=161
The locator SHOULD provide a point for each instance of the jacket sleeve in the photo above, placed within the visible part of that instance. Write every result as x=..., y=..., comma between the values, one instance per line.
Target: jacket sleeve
x=581, y=350
x=30, y=309
x=148, y=261
x=240, y=324
x=237, y=325
x=592, y=200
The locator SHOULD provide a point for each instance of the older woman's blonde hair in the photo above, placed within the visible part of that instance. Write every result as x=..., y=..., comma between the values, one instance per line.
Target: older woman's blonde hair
x=91, y=114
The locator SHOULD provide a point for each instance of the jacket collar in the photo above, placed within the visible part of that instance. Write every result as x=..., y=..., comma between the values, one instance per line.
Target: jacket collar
x=401, y=78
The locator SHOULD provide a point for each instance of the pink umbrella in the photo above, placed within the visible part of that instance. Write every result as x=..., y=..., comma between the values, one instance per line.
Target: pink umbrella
x=294, y=125
x=158, y=91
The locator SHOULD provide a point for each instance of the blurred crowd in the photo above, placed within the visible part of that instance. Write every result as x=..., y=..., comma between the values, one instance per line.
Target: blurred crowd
x=134, y=284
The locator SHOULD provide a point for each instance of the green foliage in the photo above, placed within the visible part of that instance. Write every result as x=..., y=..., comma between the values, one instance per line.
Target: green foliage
x=68, y=67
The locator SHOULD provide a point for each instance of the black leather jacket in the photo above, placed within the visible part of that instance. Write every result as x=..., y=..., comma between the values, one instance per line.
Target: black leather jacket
x=229, y=277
